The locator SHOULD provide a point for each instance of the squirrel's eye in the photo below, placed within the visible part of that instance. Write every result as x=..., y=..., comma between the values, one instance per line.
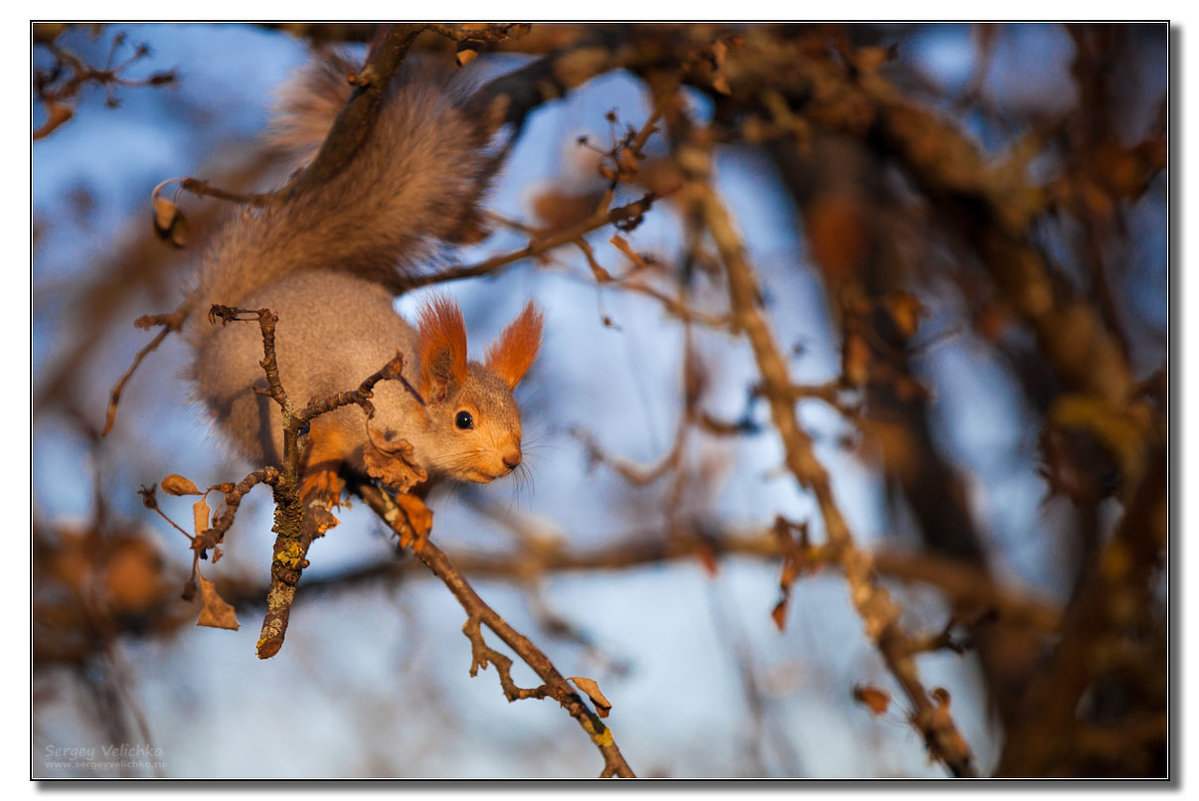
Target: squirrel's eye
x=464, y=421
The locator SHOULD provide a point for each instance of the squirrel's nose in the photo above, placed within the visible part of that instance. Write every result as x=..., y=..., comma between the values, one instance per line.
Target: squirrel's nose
x=512, y=460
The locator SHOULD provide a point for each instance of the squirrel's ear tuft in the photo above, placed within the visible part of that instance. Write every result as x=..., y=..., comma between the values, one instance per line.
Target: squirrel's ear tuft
x=442, y=348
x=511, y=356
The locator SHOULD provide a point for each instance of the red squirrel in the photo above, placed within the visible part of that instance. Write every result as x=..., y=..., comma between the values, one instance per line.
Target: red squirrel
x=330, y=259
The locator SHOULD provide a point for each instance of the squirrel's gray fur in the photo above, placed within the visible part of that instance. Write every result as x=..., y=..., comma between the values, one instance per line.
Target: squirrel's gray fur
x=329, y=260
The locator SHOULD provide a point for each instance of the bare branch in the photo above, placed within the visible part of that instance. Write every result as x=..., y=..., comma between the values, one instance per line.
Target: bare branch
x=478, y=610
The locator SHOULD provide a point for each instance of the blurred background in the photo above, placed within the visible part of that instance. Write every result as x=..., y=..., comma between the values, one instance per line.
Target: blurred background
x=958, y=234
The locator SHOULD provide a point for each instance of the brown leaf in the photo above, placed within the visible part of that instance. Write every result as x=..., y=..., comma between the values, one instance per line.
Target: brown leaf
x=467, y=52
x=200, y=516
x=855, y=359
x=169, y=222
x=56, y=114
x=420, y=519
x=876, y=699
x=905, y=311
x=392, y=462
x=178, y=485
x=627, y=162
x=602, y=705
x=131, y=575
x=164, y=213
x=791, y=570
x=557, y=209
x=779, y=613
x=216, y=613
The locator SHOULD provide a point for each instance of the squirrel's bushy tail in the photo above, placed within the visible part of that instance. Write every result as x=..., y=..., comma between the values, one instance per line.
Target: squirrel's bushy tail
x=414, y=182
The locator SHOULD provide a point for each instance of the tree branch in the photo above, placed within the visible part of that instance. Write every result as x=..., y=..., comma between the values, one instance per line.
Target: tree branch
x=478, y=612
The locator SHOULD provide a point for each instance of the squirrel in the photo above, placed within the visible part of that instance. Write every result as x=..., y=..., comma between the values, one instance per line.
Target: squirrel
x=330, y=259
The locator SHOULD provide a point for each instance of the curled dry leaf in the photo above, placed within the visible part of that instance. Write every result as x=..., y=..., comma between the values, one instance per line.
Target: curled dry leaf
x=602, y=705
x=169, y=222
x=200, y=513
x=420, y=518
x=779, y=614
x=468, y=51
x=905, y=310
x=392, y=462
x=876, y=699
x=217, y=612
x=178, y=485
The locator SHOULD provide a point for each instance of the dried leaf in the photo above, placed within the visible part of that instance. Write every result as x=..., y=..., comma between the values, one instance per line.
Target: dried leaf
x=420, y=519
x=164, y=213
x=602, y=705
x=468, y=51
x=555, y=209
x=855, y=359
x=876, y=699
x=131, y=576
x=392, y=462
x=905, y=311
x=178, y=485
x=56, y=114
x=216, y=613
x=169, y=222
x=200, y=513
x=779, y=613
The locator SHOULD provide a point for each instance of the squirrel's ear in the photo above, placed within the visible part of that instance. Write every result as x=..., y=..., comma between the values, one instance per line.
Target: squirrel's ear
x=512, y=354
x=442, y=348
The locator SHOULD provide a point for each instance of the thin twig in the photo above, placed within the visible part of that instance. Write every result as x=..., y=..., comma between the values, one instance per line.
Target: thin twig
x=622, y=216
x=169, y=323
